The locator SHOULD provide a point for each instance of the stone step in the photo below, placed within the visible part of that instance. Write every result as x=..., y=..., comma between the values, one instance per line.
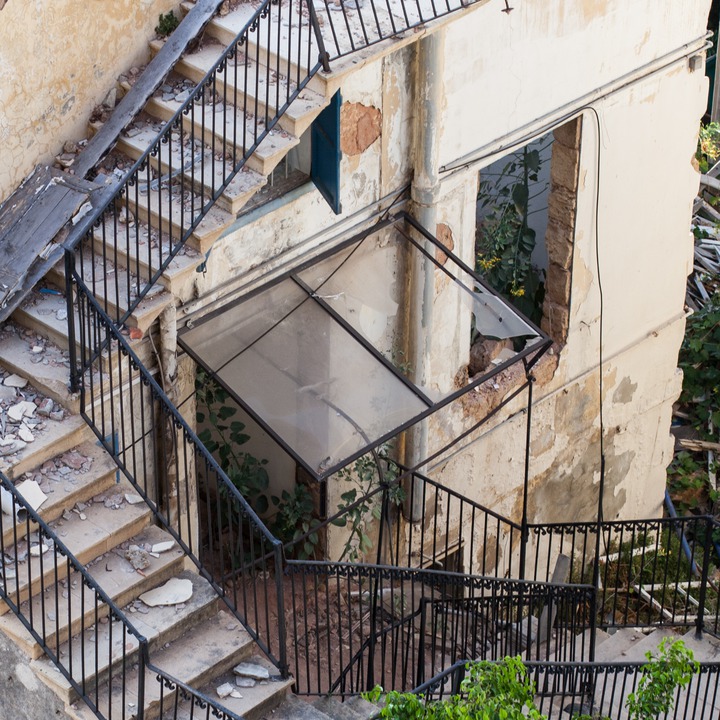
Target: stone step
x=53, y=438
x=102, y=529
x=27, y=354
x=76, y=476
x=205, y=652
x=115, y=287
x=204, y=170
x=256, y=702
x=45, y=315
x=215, y=129
x=615, y=646
x=266, y=91
x=277, y=52
x=160, y=626
x=154, y=209
x=137, y=248
x=115, y=575
x=334, y=708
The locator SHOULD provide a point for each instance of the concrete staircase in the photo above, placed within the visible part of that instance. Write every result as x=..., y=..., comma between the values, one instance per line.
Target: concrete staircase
x=97, y=516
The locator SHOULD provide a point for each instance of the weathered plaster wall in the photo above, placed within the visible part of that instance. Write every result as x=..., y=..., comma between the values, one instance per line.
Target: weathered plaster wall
x=57, y=61
x=647, y=184
x=543, y=57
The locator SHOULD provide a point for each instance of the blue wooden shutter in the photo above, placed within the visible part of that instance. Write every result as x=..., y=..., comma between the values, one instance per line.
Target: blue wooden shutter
x=326, y=154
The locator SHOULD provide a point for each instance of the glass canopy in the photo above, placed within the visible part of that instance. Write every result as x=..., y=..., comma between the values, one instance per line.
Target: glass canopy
x=314, y=356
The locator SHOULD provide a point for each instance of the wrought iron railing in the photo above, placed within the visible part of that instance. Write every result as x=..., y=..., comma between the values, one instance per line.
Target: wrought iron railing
x=650, y=573
x=356, y=625
x=596, y=690
x=161, y=456
x=196, y=155
x=78, y=626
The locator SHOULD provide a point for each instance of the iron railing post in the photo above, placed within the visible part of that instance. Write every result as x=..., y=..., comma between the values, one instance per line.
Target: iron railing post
x=524, y=532
x=144, y=660
x=69, y=273
x=323, y=55
x=280, y=595
x=420, y=670
x=700, y=620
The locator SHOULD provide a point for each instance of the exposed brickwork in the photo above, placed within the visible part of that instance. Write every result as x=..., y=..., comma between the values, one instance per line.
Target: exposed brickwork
x=444, y=234
x=360, y=127
x=562, y=212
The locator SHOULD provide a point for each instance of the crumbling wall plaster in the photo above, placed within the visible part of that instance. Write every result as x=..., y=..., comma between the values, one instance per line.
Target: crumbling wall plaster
x=57, y=61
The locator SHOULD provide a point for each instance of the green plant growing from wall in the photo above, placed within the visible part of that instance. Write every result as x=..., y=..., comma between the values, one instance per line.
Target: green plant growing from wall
x=167, y=24
x=505, y=241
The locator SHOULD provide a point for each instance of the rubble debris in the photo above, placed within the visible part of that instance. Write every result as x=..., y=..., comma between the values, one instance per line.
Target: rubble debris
x=31, y=493
x=137, y=557
x=224, y=690
x=162, y=547
x=245, y=682
x=252, y=670
x=173, y=592
x=133, y=499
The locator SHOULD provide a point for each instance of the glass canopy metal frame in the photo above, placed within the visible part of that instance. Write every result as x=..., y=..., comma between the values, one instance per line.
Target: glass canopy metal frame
x=292, y=307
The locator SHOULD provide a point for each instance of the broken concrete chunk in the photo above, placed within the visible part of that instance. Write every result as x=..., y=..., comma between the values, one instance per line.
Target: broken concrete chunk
x=137, y=557
x=162, y=547
x=224, y=690
x=173, y=592
x=7, y=393
x=25, y=434
x=31, y=493
x=251, y=670
x=38, y=550
x=24, y=408
x=74, y=460
x=133, y=499
x=45, y=408
x=15, y=381
x=245, y=682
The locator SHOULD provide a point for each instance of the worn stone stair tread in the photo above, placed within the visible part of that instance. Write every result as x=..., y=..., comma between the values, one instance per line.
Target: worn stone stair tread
x=50, y=379
x=363, y=707
x=55, y=438
x=636, y=651
x=295, y=708
x=612, y=649
x=163, y=624
x=333, y=708
x=113, y=288
x=295, y=120
x=39, y=312
x=266, y=156
x=134, y=252
x=77, y=487
x=208, y=173
x=103, y=529
x=151, y=204
x=256, y=702
x=117, y=578
x=209, y=649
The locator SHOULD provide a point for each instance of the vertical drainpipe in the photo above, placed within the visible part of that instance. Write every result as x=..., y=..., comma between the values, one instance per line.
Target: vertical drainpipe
x=425, y=190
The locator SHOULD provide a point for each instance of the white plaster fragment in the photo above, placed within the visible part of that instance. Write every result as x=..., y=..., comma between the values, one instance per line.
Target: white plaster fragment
x=162, y=547
x=224, y=690
x=173, y=592
x=252, y=670
x=15, y=381
x=31, y=493
x=133, y=499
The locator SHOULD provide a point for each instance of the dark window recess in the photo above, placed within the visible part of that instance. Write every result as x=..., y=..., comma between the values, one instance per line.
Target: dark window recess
x=326, y=153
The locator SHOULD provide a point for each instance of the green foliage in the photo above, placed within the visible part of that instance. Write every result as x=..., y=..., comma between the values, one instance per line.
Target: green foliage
x=505, y=242
x=294, y=519
x=503, y=691
x=672, y=668
x=167, y=24
x=700, y=363
x=224, y=437
x=490, y=691
x=363, y=477
x=708, y=146
x=688, y=480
